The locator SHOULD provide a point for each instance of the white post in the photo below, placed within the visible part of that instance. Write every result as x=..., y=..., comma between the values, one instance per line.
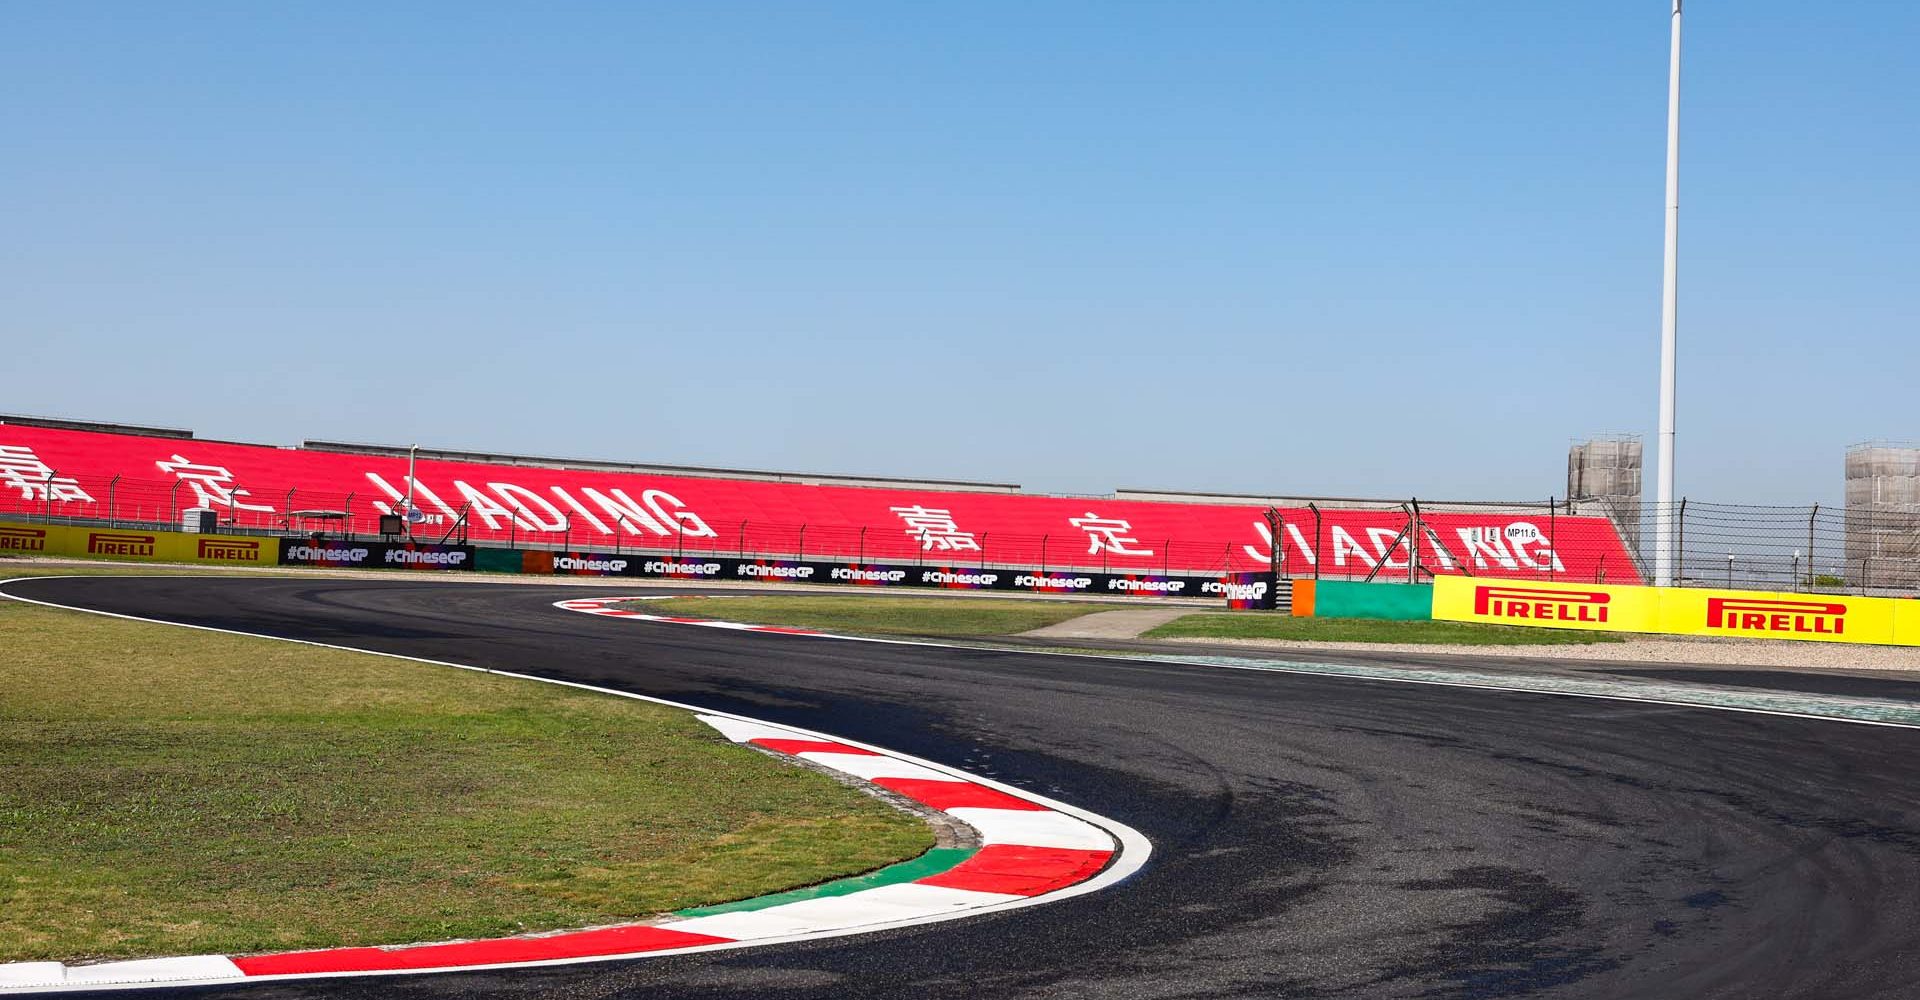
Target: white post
x=1669, y=321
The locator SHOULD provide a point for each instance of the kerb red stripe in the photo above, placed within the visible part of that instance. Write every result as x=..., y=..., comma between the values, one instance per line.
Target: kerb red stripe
x=808, y=746
x=578, y=944
x=1021, y=871
x=956, y=794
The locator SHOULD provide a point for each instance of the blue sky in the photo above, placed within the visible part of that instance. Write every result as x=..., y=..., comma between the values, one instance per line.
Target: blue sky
x=1378, y=248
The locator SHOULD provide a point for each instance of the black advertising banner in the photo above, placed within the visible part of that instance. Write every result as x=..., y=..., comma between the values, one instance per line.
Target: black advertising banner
x=345, y=555
x=583, y=563
x=1154, y=585
x=961, y=578
x=375, y=555
x=695, y=568
x=420, y=555
x=1248, y=591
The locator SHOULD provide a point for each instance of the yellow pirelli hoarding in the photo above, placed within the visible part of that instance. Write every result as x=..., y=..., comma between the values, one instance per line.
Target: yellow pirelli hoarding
x=137, y=545
x=1679, y=611
x=1906, y=621
x=25, y=540
x=1761, y=615
x=1593, y=606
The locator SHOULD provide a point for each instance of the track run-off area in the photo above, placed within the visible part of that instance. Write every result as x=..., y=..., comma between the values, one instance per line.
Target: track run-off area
x=1312, y=834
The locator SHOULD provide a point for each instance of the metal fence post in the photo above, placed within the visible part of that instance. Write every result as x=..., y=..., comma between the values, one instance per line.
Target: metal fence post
x=346, y=523
x=743, y=539
x=112, y=485
x=1276, y=554
x=1318, y=551
x=1553, y=534
x=1043, y=554
x=1413, y=542
x=566, y=531
x=1680, y=553
x=801, y=555
x=49, y=497
x=862, y=557
x=173, y=503
x=1812, y=574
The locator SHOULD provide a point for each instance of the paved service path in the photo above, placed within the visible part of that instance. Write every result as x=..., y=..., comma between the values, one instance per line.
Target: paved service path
x=1127, y=623
x=1313, y=836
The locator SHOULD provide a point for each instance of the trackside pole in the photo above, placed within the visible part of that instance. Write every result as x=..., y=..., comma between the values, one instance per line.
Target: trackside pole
x=1669, y=322
x=412, y=452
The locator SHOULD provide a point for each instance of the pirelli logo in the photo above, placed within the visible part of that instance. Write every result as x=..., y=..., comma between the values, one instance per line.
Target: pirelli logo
x=23, y=540
x=1530, y=605
x=230, y=549
x=115, y=543
x=1746, y=614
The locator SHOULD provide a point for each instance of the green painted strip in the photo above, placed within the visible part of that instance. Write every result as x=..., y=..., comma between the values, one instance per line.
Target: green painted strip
x=486, y=560
x=933, y=862
x=1395, y=601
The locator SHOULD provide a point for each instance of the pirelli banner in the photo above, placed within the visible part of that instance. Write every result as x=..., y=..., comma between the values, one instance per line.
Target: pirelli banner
x=137, y=546
x=1680, y=611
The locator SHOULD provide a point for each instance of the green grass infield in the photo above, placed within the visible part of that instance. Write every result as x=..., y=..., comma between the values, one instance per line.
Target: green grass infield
x=167, y=791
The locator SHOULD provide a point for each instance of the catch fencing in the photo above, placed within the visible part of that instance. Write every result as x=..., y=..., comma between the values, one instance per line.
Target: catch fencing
x=1813, y=548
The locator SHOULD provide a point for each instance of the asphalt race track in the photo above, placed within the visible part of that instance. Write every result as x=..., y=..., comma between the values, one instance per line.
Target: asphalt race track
x=1313, y=836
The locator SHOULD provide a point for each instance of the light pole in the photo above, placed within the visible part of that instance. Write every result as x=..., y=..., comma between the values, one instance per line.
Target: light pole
x=1669, y=321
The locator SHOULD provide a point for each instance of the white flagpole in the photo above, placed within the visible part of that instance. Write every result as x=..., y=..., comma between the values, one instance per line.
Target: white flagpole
x=1663, y=558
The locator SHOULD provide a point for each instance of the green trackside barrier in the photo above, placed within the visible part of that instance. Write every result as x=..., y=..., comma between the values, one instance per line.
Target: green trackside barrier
x=497, y=560
x=1398, y=601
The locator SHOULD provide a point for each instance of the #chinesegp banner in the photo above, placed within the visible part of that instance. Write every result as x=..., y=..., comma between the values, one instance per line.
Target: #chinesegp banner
x=962, y=578
x=1246, y=591
x=334, y=554
x=587, y=563
x=341, y=554
x=421, y=555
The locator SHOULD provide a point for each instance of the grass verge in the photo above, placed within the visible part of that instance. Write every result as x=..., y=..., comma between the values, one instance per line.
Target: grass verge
x=166, y=791
x=876, y=615
x=1272, y=626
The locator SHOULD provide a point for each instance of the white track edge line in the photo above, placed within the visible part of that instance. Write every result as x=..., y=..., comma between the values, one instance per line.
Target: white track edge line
x=1130, y=856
